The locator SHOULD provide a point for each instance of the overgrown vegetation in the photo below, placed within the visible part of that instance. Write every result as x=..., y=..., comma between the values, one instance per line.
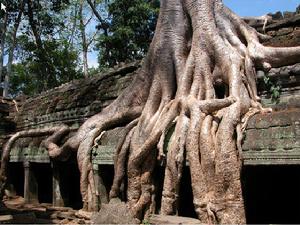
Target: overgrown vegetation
x=197, y=46
x=273, y=89
x=47, y=43
x=130, y=30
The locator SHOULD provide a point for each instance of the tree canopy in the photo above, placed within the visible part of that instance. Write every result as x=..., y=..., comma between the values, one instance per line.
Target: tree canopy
x=47, y=43
x=130, y=30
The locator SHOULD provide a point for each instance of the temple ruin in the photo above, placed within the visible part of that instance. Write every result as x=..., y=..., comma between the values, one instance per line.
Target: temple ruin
x=270, y=150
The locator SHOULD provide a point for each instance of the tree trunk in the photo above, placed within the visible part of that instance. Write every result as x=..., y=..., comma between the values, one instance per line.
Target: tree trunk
x=12, y=48
x=74, y=27
x=104, y=25
x=198, y=47
x=48, y=68
x=2, y=44
x=84, y=41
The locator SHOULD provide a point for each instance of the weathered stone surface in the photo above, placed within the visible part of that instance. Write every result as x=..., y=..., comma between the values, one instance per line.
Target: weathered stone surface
x=5, y=218
x=287, y=14
x=273, y=138
x=33, y=154
x=284, y=32
x=116, y=212
x=17, y=212
x=74, y=102
x=71, y=103
x=6, y=123
x=163, y=219
x=84, y=214
x=105, y=151
x=277, y=16
x=288, y=79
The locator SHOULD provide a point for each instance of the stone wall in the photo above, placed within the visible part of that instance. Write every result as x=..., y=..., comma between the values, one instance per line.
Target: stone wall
x=275, y=138
x=288, y=79
x=74, y=102
x=8, y=108
x=71, y=104
x=285, y=32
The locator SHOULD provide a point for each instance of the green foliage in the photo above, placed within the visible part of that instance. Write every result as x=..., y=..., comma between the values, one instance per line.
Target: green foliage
x=38, y=67
x=274, y=89
x=28, y=77
x=146, y=222
x=48, y=44
x=131, y=29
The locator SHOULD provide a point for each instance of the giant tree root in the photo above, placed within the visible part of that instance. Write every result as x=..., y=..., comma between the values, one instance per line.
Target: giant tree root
x=54, y=133
x=199, y=47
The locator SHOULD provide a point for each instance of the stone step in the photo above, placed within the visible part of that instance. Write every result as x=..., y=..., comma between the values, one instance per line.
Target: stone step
x=163, y=219
x=5, y=218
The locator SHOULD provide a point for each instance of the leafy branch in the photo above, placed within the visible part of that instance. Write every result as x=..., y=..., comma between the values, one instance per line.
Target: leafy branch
x=273, y=88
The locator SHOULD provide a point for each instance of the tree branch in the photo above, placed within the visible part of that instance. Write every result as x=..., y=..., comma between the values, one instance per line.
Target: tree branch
x=104, y=25
x=43, y=55
x=84, y=40
x=92, y=39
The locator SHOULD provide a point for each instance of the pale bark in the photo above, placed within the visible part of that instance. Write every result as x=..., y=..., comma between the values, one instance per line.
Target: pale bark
x=85, y=43
x=198, y=45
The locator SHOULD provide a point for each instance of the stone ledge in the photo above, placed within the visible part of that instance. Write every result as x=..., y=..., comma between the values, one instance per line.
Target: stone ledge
x=164, y=219
x=292, y=21
x=273, y=139
x=76, y=100
x=30, y=154
x=269, y=139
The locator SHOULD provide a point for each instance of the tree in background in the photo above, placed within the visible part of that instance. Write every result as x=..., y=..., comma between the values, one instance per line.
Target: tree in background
x=40, y=55
x=3, y=28
x=199, y=47
x=130, y=29
x=27, y=77
x=45, y=43
x=86, y=39
x=12, y=44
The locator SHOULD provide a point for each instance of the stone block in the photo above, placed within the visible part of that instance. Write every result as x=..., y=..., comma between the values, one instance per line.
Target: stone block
x=275, y=143
x=284, y=31
x=287, y=14
x=164, y=219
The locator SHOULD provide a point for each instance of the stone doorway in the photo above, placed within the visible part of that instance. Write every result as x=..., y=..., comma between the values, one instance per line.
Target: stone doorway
x=56, y=183
x=37, y=187
x=272, y=194
x=16, y=177
x=43, y=176
x=66, y=182
x=185, y=201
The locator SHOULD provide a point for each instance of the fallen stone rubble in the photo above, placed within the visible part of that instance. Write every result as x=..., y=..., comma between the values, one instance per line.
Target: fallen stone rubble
x=15, y=211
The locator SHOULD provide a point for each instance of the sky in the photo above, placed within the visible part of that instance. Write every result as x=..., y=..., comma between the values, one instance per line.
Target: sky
x=260, y=7
x=242, y=8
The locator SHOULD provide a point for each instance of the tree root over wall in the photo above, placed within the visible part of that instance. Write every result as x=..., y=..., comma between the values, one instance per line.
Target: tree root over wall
x=200, y=47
